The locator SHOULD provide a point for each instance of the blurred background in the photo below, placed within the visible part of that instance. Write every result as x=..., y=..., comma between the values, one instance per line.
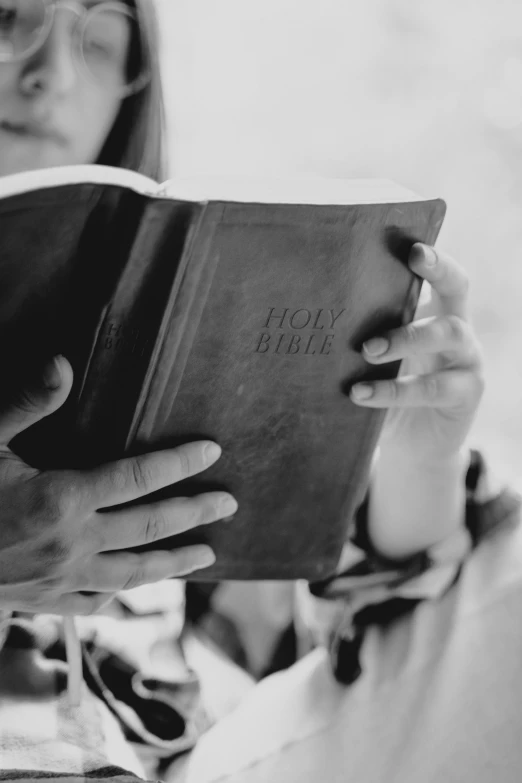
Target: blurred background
x=425, y=93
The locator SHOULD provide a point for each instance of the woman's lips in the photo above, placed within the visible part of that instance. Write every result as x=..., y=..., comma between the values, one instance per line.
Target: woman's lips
x=35, y=130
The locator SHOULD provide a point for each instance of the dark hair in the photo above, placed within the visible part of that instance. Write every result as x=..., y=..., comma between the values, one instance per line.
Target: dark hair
x=137, y=138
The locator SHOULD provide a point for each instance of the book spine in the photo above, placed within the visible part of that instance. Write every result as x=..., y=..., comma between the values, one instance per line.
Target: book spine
x=130, y=329
x=180, y=322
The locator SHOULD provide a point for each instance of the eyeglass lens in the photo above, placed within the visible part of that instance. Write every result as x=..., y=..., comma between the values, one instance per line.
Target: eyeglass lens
x=110, y=39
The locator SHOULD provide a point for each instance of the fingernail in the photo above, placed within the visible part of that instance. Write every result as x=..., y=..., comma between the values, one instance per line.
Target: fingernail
x=376, y=346
x=227, y=505
x=211, y=453
x=52, y=376
x=206, y=557
x=362, y=391
x=424, y=254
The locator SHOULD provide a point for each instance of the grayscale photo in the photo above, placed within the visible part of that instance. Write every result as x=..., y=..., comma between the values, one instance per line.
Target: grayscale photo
x=260, y=397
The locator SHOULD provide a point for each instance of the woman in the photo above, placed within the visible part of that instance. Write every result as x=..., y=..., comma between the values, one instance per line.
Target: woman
x=67, y=98
x=77, y=100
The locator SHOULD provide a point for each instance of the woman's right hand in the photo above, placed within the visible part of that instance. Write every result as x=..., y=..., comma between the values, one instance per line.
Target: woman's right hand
x=57, y=553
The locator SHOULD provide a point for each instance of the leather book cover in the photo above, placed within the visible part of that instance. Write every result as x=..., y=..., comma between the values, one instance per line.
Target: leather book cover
x=260, y=347
x=238, y=322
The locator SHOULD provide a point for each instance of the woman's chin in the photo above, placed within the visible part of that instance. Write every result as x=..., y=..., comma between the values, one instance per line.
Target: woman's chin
x=20, y=155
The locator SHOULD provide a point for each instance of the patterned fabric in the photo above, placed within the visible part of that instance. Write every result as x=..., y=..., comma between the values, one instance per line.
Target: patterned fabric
x=266, y=626
x=133, y=699
x=370, y=590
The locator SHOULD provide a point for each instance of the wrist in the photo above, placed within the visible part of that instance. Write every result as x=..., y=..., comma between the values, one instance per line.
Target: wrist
x=437, y=462
x=415, y=504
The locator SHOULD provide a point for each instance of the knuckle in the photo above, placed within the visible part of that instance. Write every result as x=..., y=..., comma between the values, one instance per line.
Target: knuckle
x=156, y=526
x=33, y=598
x=455, y=329
x=48, y=594
x=53, y=584
x=39, y=600
x=52, y=502
x=115, y=476
x=410, y=334
x=135, y=579
x=142, y=475
x=198, y=510
x=51, y=556
x=91, y=577
x=45, y=504
x=193, y=511
x=94, y=536
x=137, y=575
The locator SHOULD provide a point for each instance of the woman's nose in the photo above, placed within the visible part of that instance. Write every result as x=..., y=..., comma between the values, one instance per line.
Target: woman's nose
x=52, y=69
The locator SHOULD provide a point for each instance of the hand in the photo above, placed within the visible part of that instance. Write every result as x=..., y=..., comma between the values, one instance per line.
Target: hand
x=431, y=405
x=434, y=401
x=55, y=546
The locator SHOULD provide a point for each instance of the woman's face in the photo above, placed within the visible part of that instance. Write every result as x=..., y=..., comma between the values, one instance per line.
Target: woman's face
x=51, y=112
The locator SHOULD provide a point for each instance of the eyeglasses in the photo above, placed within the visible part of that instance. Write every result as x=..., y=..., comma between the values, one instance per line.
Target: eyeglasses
x=108, y=39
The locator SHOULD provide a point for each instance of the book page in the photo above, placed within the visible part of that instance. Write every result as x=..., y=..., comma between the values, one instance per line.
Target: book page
x=15, y=184
x=299, y=190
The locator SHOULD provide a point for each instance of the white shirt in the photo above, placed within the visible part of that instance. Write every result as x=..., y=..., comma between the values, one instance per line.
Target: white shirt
x=439, y=699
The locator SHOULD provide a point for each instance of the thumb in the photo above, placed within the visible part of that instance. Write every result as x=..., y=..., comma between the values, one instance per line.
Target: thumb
x=37, y=400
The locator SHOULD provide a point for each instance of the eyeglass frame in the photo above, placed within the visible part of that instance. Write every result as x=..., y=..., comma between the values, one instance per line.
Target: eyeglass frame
x=82, y=19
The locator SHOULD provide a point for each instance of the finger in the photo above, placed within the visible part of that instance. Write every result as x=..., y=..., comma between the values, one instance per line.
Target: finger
x=435, y=335
x=78, y=604
x=447, y=278
x=147, y=524
x=446, y=389
x=39, y=399
x=135, y=477
x=126, y=570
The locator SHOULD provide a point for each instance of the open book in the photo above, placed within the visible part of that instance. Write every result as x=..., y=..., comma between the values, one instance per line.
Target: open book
x=226, y=310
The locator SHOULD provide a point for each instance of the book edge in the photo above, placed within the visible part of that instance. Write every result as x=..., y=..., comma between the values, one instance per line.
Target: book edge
x=60, y=176
x=206, y=190
x=315, y=191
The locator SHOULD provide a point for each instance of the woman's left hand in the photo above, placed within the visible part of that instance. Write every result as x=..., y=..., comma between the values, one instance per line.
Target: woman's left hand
x=434, y=400
x=417, y=496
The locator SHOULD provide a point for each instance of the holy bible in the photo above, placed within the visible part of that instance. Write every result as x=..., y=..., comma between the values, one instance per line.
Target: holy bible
x=233, y=311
